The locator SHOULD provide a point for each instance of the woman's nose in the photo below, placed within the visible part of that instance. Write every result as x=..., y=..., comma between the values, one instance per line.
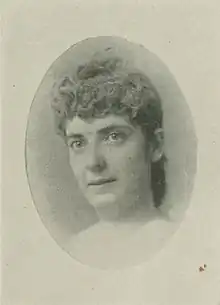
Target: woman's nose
x=95, y=159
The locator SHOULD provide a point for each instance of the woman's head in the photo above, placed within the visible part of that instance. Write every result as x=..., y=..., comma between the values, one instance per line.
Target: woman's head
x=112, y=121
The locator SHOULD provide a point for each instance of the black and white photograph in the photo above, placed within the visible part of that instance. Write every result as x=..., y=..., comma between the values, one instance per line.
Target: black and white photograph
x=110, y=152
x=110, y=124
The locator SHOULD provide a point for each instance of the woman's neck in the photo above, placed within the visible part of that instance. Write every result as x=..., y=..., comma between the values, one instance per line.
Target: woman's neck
x=131, y=209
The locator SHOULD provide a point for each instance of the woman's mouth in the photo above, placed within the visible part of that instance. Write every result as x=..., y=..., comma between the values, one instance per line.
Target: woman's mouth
x=101, y=181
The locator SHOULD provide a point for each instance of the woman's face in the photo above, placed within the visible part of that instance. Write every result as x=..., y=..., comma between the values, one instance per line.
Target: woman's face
x=108, y=158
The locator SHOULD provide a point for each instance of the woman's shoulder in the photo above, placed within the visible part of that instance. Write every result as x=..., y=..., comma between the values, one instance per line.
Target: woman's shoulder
x=109, y=246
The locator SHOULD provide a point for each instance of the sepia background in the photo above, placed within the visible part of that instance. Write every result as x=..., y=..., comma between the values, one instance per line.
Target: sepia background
x=184, y=36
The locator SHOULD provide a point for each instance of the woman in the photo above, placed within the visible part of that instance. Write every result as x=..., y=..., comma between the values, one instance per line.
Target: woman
x=111, y=119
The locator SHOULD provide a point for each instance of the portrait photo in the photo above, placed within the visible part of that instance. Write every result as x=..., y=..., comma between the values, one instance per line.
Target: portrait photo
x=111, y=152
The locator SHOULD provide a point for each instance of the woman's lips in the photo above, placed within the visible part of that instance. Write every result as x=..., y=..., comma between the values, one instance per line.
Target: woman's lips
x=101, y=181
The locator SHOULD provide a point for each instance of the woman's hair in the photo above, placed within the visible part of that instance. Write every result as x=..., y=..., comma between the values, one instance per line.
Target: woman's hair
x=105, y=87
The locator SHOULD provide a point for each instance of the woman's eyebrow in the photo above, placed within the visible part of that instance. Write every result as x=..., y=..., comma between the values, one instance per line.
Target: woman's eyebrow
x=103, y=130
x=74, y=135
x=112, y=127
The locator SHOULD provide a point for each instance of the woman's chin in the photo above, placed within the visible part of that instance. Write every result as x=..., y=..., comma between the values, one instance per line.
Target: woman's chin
x=100, y=201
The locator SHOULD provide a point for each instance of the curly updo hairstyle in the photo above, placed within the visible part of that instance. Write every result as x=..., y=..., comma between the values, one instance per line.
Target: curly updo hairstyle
x=103, y=87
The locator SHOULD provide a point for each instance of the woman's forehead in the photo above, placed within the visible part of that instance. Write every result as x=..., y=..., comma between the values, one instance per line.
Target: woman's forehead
x=77, y=125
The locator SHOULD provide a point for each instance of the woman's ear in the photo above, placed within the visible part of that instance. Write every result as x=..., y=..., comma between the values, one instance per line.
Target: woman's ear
x=157, y=145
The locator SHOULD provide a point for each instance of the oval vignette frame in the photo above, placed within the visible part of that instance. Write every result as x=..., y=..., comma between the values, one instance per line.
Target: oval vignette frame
x=55, y=194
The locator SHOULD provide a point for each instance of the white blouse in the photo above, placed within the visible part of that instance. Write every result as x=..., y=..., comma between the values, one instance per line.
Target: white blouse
x=119, y=245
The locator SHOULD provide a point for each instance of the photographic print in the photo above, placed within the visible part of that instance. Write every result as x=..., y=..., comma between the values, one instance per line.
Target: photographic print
x=111, y=150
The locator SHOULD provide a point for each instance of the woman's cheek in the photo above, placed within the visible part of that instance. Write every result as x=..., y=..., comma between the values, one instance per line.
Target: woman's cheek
x=76, y=163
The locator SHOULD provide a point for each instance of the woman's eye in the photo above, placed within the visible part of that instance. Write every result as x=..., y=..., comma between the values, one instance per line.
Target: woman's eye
x=115, y=137
x=78, y=144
